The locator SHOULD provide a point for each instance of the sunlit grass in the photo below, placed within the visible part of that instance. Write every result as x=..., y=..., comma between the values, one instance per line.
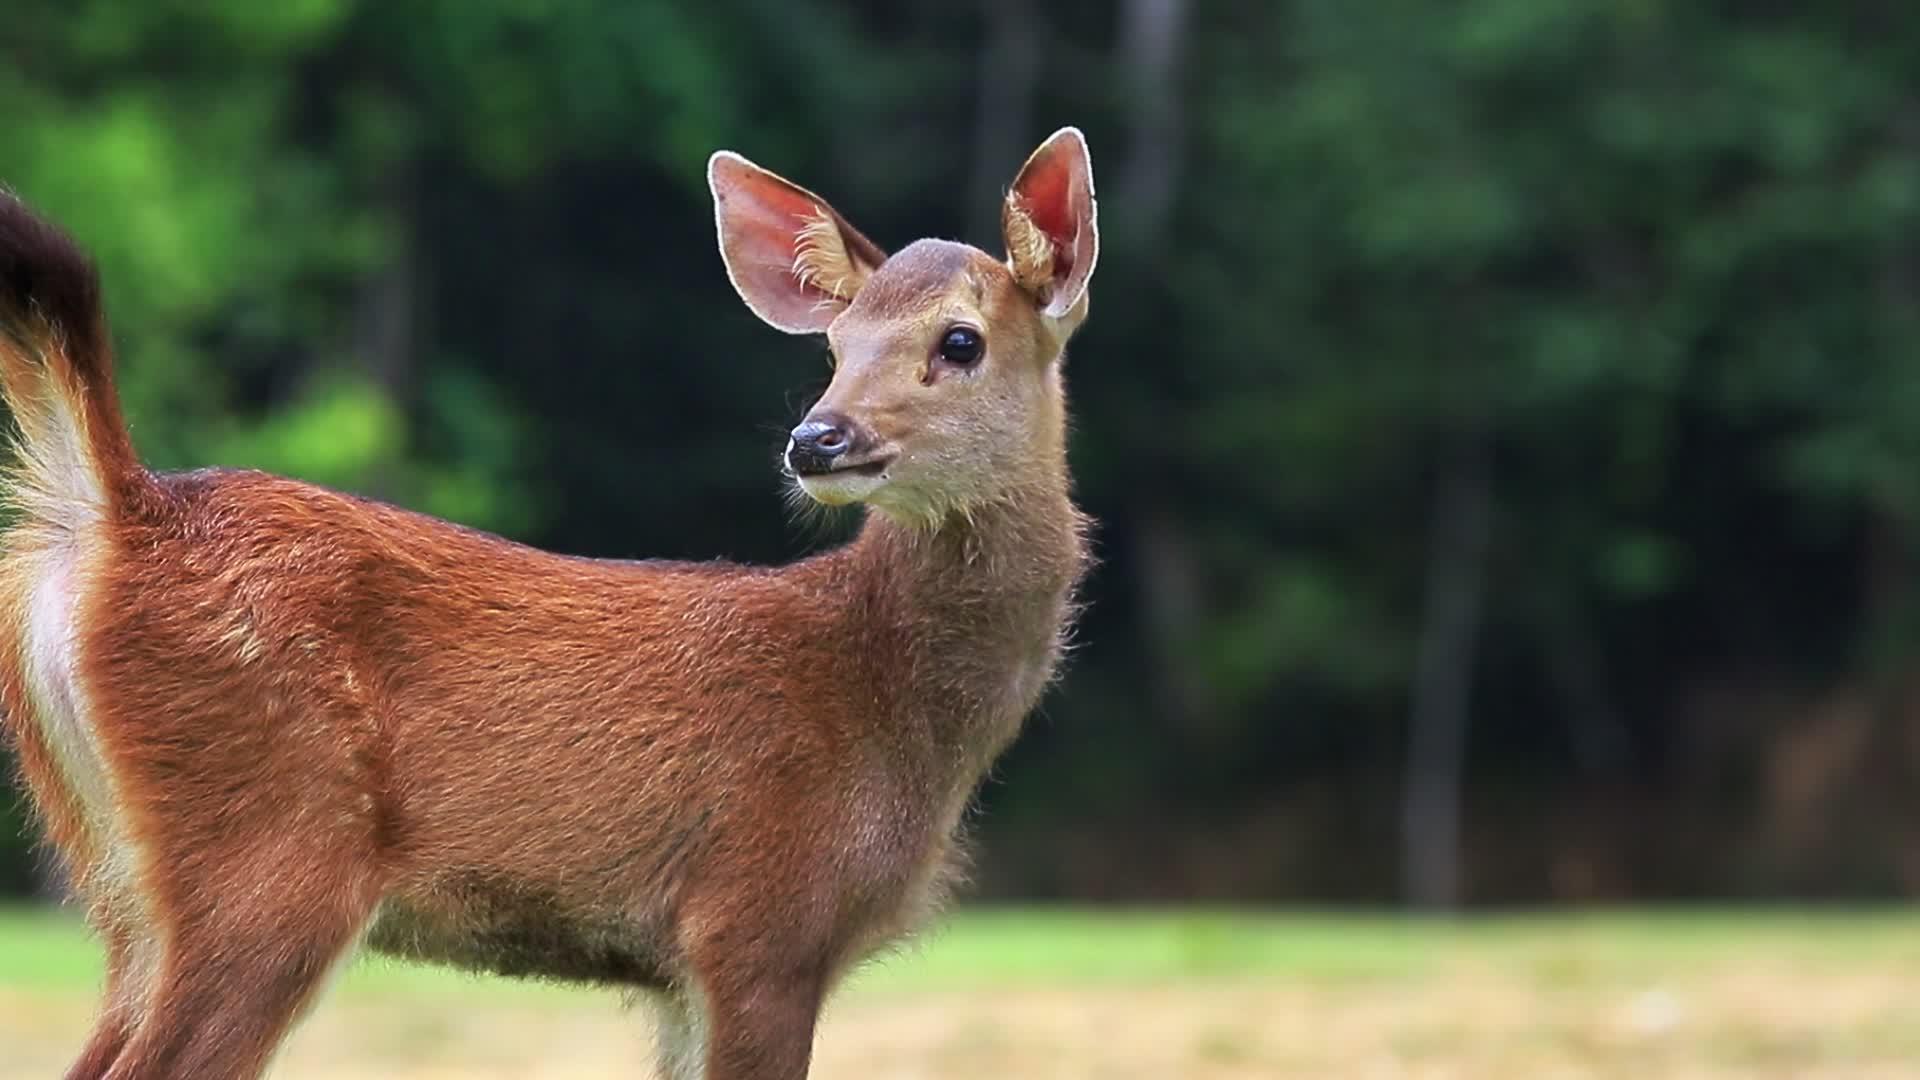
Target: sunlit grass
x=1202, y=994
x=1037, y=946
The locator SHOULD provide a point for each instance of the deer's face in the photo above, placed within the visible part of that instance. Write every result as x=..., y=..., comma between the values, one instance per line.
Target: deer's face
x=945, y=378
x=946, y=381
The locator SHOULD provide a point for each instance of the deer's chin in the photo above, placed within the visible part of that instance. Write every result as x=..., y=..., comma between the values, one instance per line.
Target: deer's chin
x=842, y=488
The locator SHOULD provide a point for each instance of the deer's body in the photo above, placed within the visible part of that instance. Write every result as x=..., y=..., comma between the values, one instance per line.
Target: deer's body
x=264, y=721
x=388, y=662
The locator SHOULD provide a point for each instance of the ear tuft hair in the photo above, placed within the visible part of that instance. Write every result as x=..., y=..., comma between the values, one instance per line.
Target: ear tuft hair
x=821, y=260
x=1029, y=252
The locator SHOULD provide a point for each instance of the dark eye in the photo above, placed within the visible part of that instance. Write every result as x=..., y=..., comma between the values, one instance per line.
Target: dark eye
x=962, y=346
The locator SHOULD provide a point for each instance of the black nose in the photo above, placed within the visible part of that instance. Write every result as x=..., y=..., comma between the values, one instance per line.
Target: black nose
x=816, y=443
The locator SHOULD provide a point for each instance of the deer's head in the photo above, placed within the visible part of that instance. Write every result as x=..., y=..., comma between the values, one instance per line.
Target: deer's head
x=946, y=390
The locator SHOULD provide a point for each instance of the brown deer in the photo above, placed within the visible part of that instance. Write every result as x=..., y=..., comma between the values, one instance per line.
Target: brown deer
x=265, y=723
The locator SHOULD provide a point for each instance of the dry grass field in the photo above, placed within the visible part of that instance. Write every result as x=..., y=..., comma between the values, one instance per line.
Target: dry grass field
x=1208, y=996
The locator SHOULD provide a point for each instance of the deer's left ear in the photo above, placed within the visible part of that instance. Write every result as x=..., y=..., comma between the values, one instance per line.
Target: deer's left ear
x=1052, y=236
x=795, y=261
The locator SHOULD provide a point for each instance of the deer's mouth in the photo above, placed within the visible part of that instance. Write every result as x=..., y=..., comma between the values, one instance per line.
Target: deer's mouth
x=848, y=483
x=876, y=466
x=813, y=469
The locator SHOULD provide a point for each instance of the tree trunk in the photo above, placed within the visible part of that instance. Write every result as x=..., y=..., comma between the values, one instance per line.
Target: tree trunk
x=1443, y=674
x=1009, y=76
x=387, y=330
x=1152, y=45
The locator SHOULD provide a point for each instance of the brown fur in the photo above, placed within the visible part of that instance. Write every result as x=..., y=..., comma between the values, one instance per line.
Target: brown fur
x=320, y=719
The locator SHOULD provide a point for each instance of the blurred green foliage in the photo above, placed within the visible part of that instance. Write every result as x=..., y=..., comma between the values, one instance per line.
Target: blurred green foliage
x=1661, y=260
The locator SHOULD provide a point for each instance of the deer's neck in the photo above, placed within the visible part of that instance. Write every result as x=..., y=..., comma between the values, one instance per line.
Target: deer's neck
x=974, y=614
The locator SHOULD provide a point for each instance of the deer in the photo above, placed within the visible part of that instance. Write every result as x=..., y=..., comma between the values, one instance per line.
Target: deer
x=266, y=725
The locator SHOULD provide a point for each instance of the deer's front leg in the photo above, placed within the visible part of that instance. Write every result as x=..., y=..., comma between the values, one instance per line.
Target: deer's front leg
x=758, y=979
x=761, y=1027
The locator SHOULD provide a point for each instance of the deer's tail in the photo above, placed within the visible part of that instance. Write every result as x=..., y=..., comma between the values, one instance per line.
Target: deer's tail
x=75, y=461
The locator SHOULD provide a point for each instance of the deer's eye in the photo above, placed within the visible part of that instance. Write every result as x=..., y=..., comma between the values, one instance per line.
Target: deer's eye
x=961, y=346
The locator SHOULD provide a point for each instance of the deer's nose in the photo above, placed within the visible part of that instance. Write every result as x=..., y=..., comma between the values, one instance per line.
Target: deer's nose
x=818, y=442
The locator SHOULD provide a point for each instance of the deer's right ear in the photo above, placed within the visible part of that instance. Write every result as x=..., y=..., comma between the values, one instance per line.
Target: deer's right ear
x=1052, y=233
x=794, y=260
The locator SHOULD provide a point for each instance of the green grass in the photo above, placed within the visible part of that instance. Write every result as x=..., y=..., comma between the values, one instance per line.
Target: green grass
x=1698, y=994
x=50, y=951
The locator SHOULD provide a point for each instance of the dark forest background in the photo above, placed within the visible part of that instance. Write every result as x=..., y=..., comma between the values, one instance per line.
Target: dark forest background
x=1503, y=417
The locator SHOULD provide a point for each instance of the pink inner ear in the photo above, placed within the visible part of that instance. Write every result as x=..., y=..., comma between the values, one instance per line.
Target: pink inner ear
x=775, y=218
x=766, y=220
x=1047, y=193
